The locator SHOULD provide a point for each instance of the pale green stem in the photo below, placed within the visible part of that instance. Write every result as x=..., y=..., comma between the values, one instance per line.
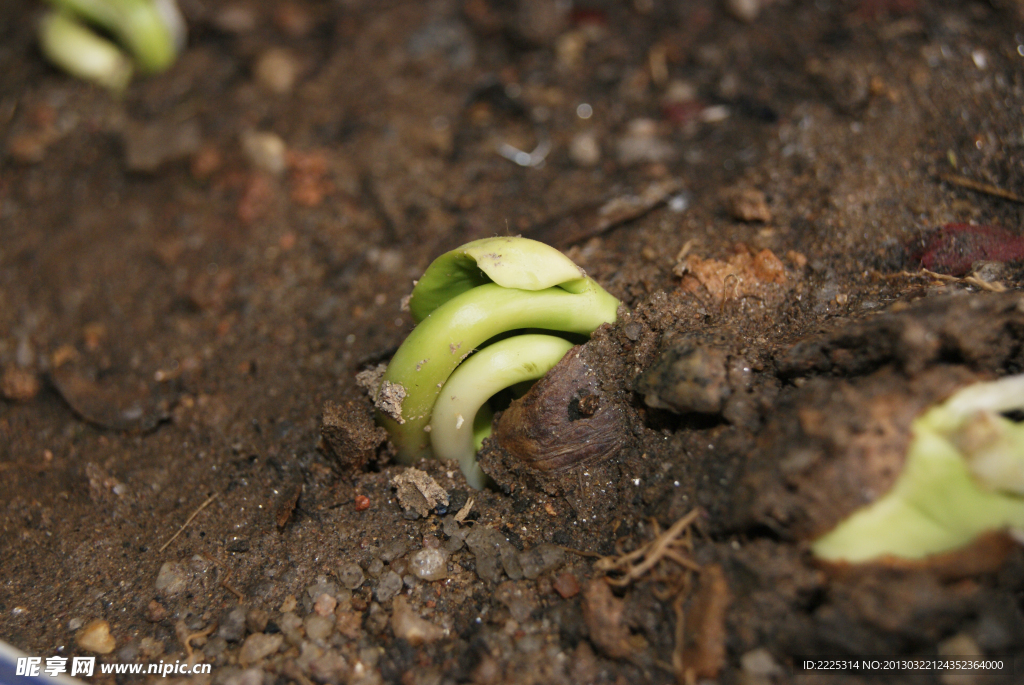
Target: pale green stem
x=83, y=54
x=963, y=476
x=492, y=369
x=935, y=506
x=456, y=328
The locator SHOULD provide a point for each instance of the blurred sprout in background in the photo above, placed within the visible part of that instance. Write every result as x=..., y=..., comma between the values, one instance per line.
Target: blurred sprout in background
x=151, y=33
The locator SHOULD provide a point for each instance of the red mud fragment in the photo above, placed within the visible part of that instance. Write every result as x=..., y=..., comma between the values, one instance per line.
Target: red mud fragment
x=954, y=248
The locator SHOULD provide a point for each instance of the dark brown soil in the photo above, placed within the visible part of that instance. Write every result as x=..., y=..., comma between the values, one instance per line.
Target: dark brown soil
x=183, y=308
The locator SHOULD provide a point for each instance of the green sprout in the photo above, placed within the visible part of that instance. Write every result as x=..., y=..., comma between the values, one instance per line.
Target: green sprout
x=483, y=290
x=964, y=476
x=153, y=32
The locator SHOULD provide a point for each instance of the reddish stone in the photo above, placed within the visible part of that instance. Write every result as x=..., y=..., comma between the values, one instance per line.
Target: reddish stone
x=362, y=502
x=955, y=247
x=566, y=585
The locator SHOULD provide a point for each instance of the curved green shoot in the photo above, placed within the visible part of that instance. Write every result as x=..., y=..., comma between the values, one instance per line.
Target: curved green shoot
x=153, y=31
x=454, y=433
x=456, y=328
x=82, y=53
x=964, y=476
x=518, y=263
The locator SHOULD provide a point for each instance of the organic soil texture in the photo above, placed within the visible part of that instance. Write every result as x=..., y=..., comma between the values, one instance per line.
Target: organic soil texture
x=810, y=212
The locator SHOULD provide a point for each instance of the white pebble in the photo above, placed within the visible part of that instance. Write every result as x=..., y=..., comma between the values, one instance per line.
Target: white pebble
x=429, y=564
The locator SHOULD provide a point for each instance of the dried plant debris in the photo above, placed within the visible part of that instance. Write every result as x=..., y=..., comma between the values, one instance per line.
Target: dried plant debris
x=744, y=273
x=418, y=492
x=350, y=435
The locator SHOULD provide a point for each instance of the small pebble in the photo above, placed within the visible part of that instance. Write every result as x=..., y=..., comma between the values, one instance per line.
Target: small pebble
x=325, y=604
x=232, y=625
x=276, y=71
x=128, y=653
x=744, y=10
x=584, y=150
x=351, y=575
x=19, y=385
x=291, y=627
x=429, y=564
x=257, y=647
x=759, y=664
x=150, y=648
x=215, y=647
x=318, y=627
x=265, y=151
x=171, y=579
x=390, y=584
x=540, y=559
x=322, y=587
x=96, y=637
x=748, y=204
x=256, y=620
x=408, y=625
x=566, y=585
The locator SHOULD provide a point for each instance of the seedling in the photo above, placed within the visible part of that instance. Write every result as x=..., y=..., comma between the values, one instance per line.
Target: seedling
x=153, y=32
x=466, y=297
x=964, y=476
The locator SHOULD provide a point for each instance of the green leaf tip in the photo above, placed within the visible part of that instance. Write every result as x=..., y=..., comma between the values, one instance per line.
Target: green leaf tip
x=467, y=297
x=963, y=477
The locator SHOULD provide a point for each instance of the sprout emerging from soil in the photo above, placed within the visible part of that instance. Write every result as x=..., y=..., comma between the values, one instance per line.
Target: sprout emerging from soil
x=153, y=32
x=467, y=297
x=964, y=476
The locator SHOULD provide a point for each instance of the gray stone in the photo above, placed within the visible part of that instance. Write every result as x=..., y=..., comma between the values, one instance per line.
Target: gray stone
x=389, y=586
x=171, y=579
x=351, y=575
x=493, y=553
x=232, y=625
x=318, y=627
x=541, y=559
x=257, y=647
x=291, y=628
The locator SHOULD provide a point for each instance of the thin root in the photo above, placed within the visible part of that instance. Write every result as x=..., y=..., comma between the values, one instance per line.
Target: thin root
x=641, y=560
x=189, y=520
x=674, y=545
x=205, y=632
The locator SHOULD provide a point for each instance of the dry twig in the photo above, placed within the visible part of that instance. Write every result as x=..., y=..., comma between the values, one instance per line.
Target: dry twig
x=981, y=187
x=189, y=520
x=227, y=576
x=991, y=286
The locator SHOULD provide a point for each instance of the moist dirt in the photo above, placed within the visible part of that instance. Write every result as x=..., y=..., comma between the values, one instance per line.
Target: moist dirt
x=192, y=275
